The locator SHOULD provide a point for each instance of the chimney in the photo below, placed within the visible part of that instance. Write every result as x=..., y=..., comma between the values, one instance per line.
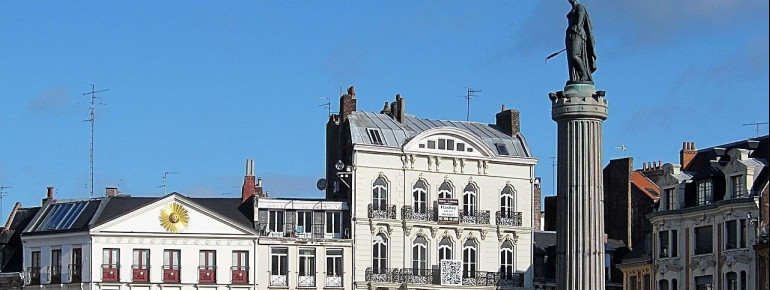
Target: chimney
x=258, y=188
x=386, y=109
x=111, y=192
x=687, y=154
x=49, y=195
x=536, y=205
x=401, y=104
x=508, y=121
x=249, y=187
x=348, y=103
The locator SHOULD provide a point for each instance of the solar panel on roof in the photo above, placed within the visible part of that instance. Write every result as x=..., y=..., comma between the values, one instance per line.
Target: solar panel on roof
x=61, y=216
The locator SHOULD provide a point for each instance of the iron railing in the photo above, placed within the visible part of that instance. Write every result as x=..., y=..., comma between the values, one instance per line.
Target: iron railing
x=110, y=272
x=240, y=275
x=34, y=275
x=388, y=212
x=54, y=274
x=475, y=217
x=75, y=273
x=382, y=275
x=140, y=273
x=424, y=214
x=334, y=280
x=508, y=218
x=278, y=280
x=306, y=279
x=433, y=277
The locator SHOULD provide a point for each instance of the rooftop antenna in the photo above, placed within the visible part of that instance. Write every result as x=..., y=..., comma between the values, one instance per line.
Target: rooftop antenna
x=91, y=120
x=471, y=93
x=756, y=130
x=165, y=177
x=327, y=105
x=3, y=193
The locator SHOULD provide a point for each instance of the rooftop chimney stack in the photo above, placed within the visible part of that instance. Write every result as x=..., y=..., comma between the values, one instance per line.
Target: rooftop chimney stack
x=249, y=186
x=49, y=195
x=508, y=121
x=348, y=103
x=401, y=109
x=687, y=154
x=111, y=192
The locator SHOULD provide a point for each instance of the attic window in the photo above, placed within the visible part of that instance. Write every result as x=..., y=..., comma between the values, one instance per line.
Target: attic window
x=501, y=149
x=375, y=137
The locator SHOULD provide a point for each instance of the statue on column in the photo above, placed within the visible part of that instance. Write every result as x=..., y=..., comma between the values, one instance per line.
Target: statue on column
x=581, y=56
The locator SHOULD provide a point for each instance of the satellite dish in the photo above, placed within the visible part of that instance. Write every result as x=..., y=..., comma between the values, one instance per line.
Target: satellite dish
x=321, y=184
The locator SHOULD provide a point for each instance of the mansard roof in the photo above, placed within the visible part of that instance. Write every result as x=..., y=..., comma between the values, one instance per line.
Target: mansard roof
x=396, y=134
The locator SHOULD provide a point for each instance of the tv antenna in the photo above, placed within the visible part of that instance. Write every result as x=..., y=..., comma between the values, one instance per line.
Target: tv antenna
x=91, y=120
x=3, y=193
x=471, y=93
x=164, y=183
x=756, y=125
x=327, y=105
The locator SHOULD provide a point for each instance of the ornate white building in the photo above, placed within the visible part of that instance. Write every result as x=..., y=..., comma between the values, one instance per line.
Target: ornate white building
x=426, y=191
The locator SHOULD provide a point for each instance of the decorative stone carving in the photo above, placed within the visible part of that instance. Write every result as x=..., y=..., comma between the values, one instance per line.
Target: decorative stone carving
x=438, y=162
x=479, y=165
x=433, y=232
x=455, y=162
x=430, y=162
x=462, y=165
x=407, y=228
x=732, y=257
x=485, y=166
x=483, y=234
x=404, y=160
x=702, y=262
x=421, y=233
x=459, y=233
x=663, y=266
x=411, y=161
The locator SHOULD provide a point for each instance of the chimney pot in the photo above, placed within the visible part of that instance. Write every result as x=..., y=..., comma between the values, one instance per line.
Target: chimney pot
x=502, y=108
x=50, y=192
x=111, y=191
x=352, y=91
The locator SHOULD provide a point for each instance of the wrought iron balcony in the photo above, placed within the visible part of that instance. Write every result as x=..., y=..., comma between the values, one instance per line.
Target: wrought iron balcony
x=508, y=218
x=306, y=279
x=110, y=272
x=334, y=280
x=382, y=275
x=424, y=214
x=278, y=278
x=475, y=217
x=386, y=212
x=75, y=273
x=207, y=274
x=54, y=274
x=140, y=273
x=240, y=274
x=420, y=276
x=34, y=275
x=511, y=280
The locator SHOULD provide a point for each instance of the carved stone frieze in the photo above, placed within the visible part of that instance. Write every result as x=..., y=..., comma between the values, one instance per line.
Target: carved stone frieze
x=702, y=262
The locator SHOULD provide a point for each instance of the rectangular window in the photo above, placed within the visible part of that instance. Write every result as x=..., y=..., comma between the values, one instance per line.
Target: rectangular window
x=34, y=269
x=141, y=265
x=441, y=144
x=450, y=144
x=670, y=199
x=431, y=144
x=275, y=223
x=460, y=146
x=647, y=282
x=704, y=282
x=674, y=244
x=742, y=233
x=731, y=234
x=306, y=268
x=705, y=195
x=56, y=266
x=171, y=266
x=207, y=260
x=334, y=268
x=240, y=268
x=703, y=240
x=111, y=265
x=664, y=244
x=333, y=223
x=374, y=136
x=501, y=149
x=304, y=223
x=279, y=266
x=737, y=186
x=76, y=266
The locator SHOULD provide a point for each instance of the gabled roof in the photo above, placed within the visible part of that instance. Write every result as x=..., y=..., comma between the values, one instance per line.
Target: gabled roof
x=395, y=134
x=645, y=185
x=10, y=237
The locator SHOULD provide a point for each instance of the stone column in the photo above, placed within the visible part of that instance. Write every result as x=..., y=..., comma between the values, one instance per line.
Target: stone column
x=579, y=111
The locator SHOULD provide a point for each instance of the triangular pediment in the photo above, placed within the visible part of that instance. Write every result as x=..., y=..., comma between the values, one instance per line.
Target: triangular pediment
x=734, y=166
x=174, y=214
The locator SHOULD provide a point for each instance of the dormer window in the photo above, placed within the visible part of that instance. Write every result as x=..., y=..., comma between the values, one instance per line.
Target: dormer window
x=705, y=193
x=374, y=136
x=670, y=200
x=737, y=188
x=501, y=149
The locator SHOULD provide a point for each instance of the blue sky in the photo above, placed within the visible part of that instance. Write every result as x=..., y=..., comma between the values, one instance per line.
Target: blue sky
x=198, y=87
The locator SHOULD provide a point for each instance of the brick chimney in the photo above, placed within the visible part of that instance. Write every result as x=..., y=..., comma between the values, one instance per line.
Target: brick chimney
x=508, y=121
x=397, y=109
x=536, y=205
x=687, y=154
x=348, y=103
x=111, y=192
x=49, y=195
x=249, y=186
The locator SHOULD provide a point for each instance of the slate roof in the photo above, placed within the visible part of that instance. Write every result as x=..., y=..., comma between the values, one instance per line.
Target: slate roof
x=10, y=238
x=395, y=134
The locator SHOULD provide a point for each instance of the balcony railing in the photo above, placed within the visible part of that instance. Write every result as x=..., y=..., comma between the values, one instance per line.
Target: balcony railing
x=334, y=280
x=475, y=217
x=207, y=274
x=508, y=218
x=75, y=273
x=433, y=277
x=425, y=214
x=419, y=276
x=140, y=273
x=240, y=275
x=388, y=212
x=306, y=279
x=34, y=275
x=278, y=279
x=110, y=272
x=54, y=274
x=382, y=275
x=511, y=280
x=171, y=273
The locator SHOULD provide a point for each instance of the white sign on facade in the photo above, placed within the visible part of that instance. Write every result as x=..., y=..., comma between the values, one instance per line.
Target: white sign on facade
x=451, y=272
x=448, y=210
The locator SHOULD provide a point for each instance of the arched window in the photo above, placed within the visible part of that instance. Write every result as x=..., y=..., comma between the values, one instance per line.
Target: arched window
x=380, y=194
x=469, y=200
x=445, y=249
x=420, y=197
x=445, y=190
x=744, y=281
x=506, y=202
x=663, y=284
x=731, y=281
x=506, y=260
x=469, y=259
x=380, y=254
x=674, y=285
x=419, y=255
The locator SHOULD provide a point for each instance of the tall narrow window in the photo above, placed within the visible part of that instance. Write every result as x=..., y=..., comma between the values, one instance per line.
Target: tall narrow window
x=76, y=266
x=742, y=233
x=469, y=259
x=469, y=200
x=334, y=268
x=55, y=266
x=445, y=190
x=306, y=268
x=380, y=194
x=674, y=284
x=279, y=266
x=731, y=231
x=240, y=268
x=34, y=269
x=111, y=265
x=670, y=198
x=141, y=265
x=731, y=281
x=305, y=223
x=276, y=222
x=419, y=255
x=506, y=260
x=703, y=240
x=420, y=197
x=705, y=194
x=506, y=202
x=333, y=224
x=208, y=266
x=744, y=281
x=663, y=284
x=380, y=254
x=674, y=244
x=445, y=249
x=171, y=266
x=737, y=186
x=664, y=244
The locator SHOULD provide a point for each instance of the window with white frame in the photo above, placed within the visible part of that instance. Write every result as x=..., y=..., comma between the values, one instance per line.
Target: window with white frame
x=207, y=260
x=506, y=260
x=380, y=254
x=334, y=262
x=307, y=262
x=506, y=202
x=334, y=223
x=445, y=190
x=671, y=198
x=380, y=194
x=110, y=258
x=279, y=261
x=275, y=221
x=304, y=222
x=735, y=234
x=737, y=186
x=420, y=196
x=445, y=249
x=419, y=254
x=705, y=193
x=469, y=199
x=469, y=259
x=667, y=244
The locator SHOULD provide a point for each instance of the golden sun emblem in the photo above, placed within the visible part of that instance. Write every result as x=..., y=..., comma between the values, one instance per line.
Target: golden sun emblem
x=174, y=218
